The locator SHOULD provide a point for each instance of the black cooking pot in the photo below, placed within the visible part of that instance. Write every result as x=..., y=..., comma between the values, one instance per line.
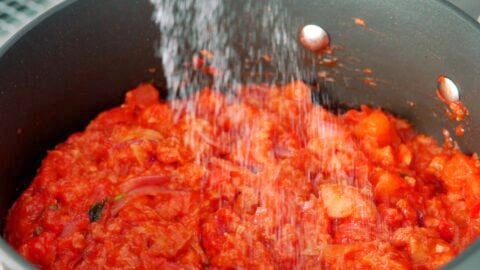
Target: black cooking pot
x=80, y=58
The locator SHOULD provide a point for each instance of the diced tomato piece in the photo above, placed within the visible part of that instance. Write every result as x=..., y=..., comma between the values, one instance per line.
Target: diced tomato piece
x=377, y=126
x=157, y=116
x=112, y=117
x=404, y=155
x=446, y=230
x=346, y=201
x=142, y=96
x=389, y=187
x=458, y=171
x=436, y=165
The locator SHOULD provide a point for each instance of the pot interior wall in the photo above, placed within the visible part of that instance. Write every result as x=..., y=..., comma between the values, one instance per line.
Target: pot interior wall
x=62, y=73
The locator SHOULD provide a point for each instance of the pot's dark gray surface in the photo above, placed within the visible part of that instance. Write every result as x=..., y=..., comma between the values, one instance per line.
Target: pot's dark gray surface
x=81, y=60
x=471, y=7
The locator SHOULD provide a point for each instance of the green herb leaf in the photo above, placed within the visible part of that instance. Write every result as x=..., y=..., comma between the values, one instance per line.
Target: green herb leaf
x=119, y=197
x=95, y=212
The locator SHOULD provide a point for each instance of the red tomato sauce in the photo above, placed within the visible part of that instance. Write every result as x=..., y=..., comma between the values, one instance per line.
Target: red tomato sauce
x=264, y=180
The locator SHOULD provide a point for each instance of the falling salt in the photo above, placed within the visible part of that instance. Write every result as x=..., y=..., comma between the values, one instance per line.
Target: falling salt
x=238, y=38
x=231, y=31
